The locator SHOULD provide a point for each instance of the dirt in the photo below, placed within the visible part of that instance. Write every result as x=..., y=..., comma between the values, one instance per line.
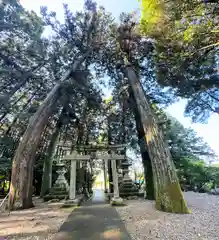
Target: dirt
x=38, y=223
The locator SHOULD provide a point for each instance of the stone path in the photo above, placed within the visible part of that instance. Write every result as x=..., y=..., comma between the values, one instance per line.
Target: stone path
x=95, y=220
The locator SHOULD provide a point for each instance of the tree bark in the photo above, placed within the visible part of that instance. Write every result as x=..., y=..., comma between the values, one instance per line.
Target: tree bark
x=146, y=161
x=23, y=162
x=109, y=165
x=48, y=162
x=148, y=171
x=168, y=195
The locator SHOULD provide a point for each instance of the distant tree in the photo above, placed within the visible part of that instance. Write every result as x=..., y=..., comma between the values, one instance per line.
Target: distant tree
x=185, y=142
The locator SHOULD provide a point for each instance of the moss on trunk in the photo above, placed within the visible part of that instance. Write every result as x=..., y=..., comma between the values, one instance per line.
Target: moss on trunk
x=171, y=199
x=168, y=194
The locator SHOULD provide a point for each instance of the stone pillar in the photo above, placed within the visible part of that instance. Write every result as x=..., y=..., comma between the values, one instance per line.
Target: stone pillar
x=72, y=192
x=105, y=176
x=115, y=179
x=116, y=200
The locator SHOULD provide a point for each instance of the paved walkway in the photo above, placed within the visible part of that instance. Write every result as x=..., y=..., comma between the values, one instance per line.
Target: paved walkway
x=94, y=220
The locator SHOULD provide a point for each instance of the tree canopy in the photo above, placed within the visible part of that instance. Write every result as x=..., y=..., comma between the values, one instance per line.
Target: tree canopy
x=186, y=57
x=51, y=87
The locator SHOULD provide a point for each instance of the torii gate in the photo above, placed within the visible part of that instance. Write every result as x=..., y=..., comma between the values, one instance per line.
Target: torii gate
x=75, y=157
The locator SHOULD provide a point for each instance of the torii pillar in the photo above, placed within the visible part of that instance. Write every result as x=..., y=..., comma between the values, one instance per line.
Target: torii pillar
x=105, y=176
x=116, y=200
x=72, y=189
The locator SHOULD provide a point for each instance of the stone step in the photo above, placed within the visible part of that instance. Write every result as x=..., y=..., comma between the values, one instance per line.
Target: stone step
x=127, y=181
x=125, y=195
x=56, y=192
x=56, y=188
x=128, y=191
x=50, y=197
x=128, y=186
x=129, y=194
x=77, y=202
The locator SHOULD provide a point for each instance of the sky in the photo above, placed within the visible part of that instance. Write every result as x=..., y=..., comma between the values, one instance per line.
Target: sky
x=209, y=131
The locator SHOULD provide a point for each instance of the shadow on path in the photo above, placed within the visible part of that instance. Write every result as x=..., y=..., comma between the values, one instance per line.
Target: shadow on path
x=94, y=220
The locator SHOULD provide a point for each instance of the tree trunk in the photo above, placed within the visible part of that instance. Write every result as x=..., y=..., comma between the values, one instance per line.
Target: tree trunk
x=109, y=165
x=148, y=174
x=168, y=194
x=146, y=161
x=48, y=162
x=23, y=162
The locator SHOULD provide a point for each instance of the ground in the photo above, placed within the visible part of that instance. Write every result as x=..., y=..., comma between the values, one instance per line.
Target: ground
x=143, y=222
x=39, y=223
x=141, y=219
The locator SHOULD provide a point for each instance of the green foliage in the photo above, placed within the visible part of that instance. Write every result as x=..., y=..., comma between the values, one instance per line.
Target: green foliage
x=188, y=151
x=185, y=142
x=31, y=65
x=186, y=50
x=196, y=175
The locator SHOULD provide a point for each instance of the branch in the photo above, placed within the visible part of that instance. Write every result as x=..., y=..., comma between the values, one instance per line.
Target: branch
x=6, y=26
x=23, y=79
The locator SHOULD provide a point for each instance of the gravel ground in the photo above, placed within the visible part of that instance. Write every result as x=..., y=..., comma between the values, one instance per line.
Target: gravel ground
x=38, y=223
x=143, y=221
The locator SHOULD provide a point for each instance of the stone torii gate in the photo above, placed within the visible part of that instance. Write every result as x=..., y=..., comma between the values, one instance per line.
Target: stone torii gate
x=116, y=200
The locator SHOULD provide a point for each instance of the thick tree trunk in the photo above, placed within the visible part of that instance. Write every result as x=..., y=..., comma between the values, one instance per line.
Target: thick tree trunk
x=168, y=194
x=146, y=161
x=48, y=162
x=148, y=172
x=23, y=161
